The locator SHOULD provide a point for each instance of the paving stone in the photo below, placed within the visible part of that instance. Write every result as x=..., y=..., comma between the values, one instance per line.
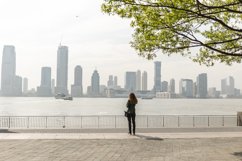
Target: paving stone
x=220, y=149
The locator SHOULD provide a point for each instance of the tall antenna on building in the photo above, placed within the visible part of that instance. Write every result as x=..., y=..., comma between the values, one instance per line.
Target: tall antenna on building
x=61, y=39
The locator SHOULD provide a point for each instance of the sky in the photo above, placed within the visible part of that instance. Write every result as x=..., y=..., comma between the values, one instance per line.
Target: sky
x=95, y=41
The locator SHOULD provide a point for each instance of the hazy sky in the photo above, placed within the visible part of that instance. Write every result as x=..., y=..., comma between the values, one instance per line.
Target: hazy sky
x=95, y=40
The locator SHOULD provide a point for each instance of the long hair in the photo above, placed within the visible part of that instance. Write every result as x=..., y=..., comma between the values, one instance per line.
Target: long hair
x=132, y=98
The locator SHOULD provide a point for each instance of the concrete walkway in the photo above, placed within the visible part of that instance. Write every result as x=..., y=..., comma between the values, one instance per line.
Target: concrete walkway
x=206, y=149
x=213, y=144
x=118, y=135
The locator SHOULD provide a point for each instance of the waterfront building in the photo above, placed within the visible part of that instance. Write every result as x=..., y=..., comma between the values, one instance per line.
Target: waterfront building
x=117, y=93
x=186, y=88
x=62, y=70
x=237, y=92
x=130, y=81
x=44, y=90
x=138, y=80
x=89, y=91
x=25, y=85
x=8, y=72
x=103, y=90
x=110, y=83
x=76, y=88
x=230, y=86
x=223, y=86
x=227, y=86
x=18, y=86
x=157, y=76
x=115, y=81
x=95, y=86
x=144, y=81
x=194, y=89
x=172, y=86
x=32, y=92
x=213, y=93
x=202, y=87
x=164, y=86
x=53, y=86
x=165, y=95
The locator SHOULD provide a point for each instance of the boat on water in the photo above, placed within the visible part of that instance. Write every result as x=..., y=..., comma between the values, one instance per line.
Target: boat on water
x=68, y=98
x=60, y=96
x=63, y=96
x=147, y=97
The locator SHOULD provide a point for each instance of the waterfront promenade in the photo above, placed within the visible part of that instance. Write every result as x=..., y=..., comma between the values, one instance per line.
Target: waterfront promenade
x=182, y=144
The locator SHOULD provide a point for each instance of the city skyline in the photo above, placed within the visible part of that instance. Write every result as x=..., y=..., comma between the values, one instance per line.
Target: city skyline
x=62, y=59
x=162, y=89
x=36, y=37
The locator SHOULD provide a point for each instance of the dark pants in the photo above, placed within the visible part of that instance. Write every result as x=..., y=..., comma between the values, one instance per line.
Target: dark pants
x=130, y=117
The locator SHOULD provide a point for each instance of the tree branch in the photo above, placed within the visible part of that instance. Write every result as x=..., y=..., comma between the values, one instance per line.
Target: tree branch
x=188, y=11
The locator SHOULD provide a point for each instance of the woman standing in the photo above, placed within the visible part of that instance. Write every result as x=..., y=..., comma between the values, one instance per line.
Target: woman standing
x=131, y=111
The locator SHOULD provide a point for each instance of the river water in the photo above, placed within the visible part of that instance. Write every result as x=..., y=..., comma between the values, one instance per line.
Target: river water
x=37, y=106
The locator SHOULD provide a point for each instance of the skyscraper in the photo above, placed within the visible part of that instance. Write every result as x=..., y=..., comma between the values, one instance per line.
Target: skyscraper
x=213, y=93
x=18, y=86
x=172, y=86
x=25, y=85
x=157, y=76
x=76, y=88
x=230, y=86
x=223, y=86
x=227, y=86
x=53, y=86
x=62, y=70
x=144, y=81
x=95, y=86
x=194, y=89
x=202, y=87
x=164, y=86
x=138, y=80
x=186, y=88
x=115, y=81
x=46, y=77
x=110, y=83
x=45, y=86
x=130, y=81
x=8, y=70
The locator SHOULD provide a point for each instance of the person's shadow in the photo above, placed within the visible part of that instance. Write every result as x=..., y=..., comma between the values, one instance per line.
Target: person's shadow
x=238, y=154
x=149, y=137
x=6, y=131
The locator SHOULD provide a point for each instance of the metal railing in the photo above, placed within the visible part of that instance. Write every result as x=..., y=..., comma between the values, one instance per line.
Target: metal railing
x=111, y=121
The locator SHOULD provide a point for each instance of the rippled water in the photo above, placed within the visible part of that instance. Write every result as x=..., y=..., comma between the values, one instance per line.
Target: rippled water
x=22, y=106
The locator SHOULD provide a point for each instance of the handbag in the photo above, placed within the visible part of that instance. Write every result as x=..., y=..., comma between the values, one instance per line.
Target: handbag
x=126, y=113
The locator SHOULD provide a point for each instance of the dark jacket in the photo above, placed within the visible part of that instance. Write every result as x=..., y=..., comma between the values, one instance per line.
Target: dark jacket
x=131, y=107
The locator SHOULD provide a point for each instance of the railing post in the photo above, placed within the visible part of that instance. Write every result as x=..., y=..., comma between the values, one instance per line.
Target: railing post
x=46, y=122
x=9, y=122
x=147, y=121
x=98, y=121
x=64, y=126
x=178, y=121
x=28, y=122
x=208, y=121
x=193, y=121
x=81, y=122
x=163, y=121
x=223, y=120
x=115, y=122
